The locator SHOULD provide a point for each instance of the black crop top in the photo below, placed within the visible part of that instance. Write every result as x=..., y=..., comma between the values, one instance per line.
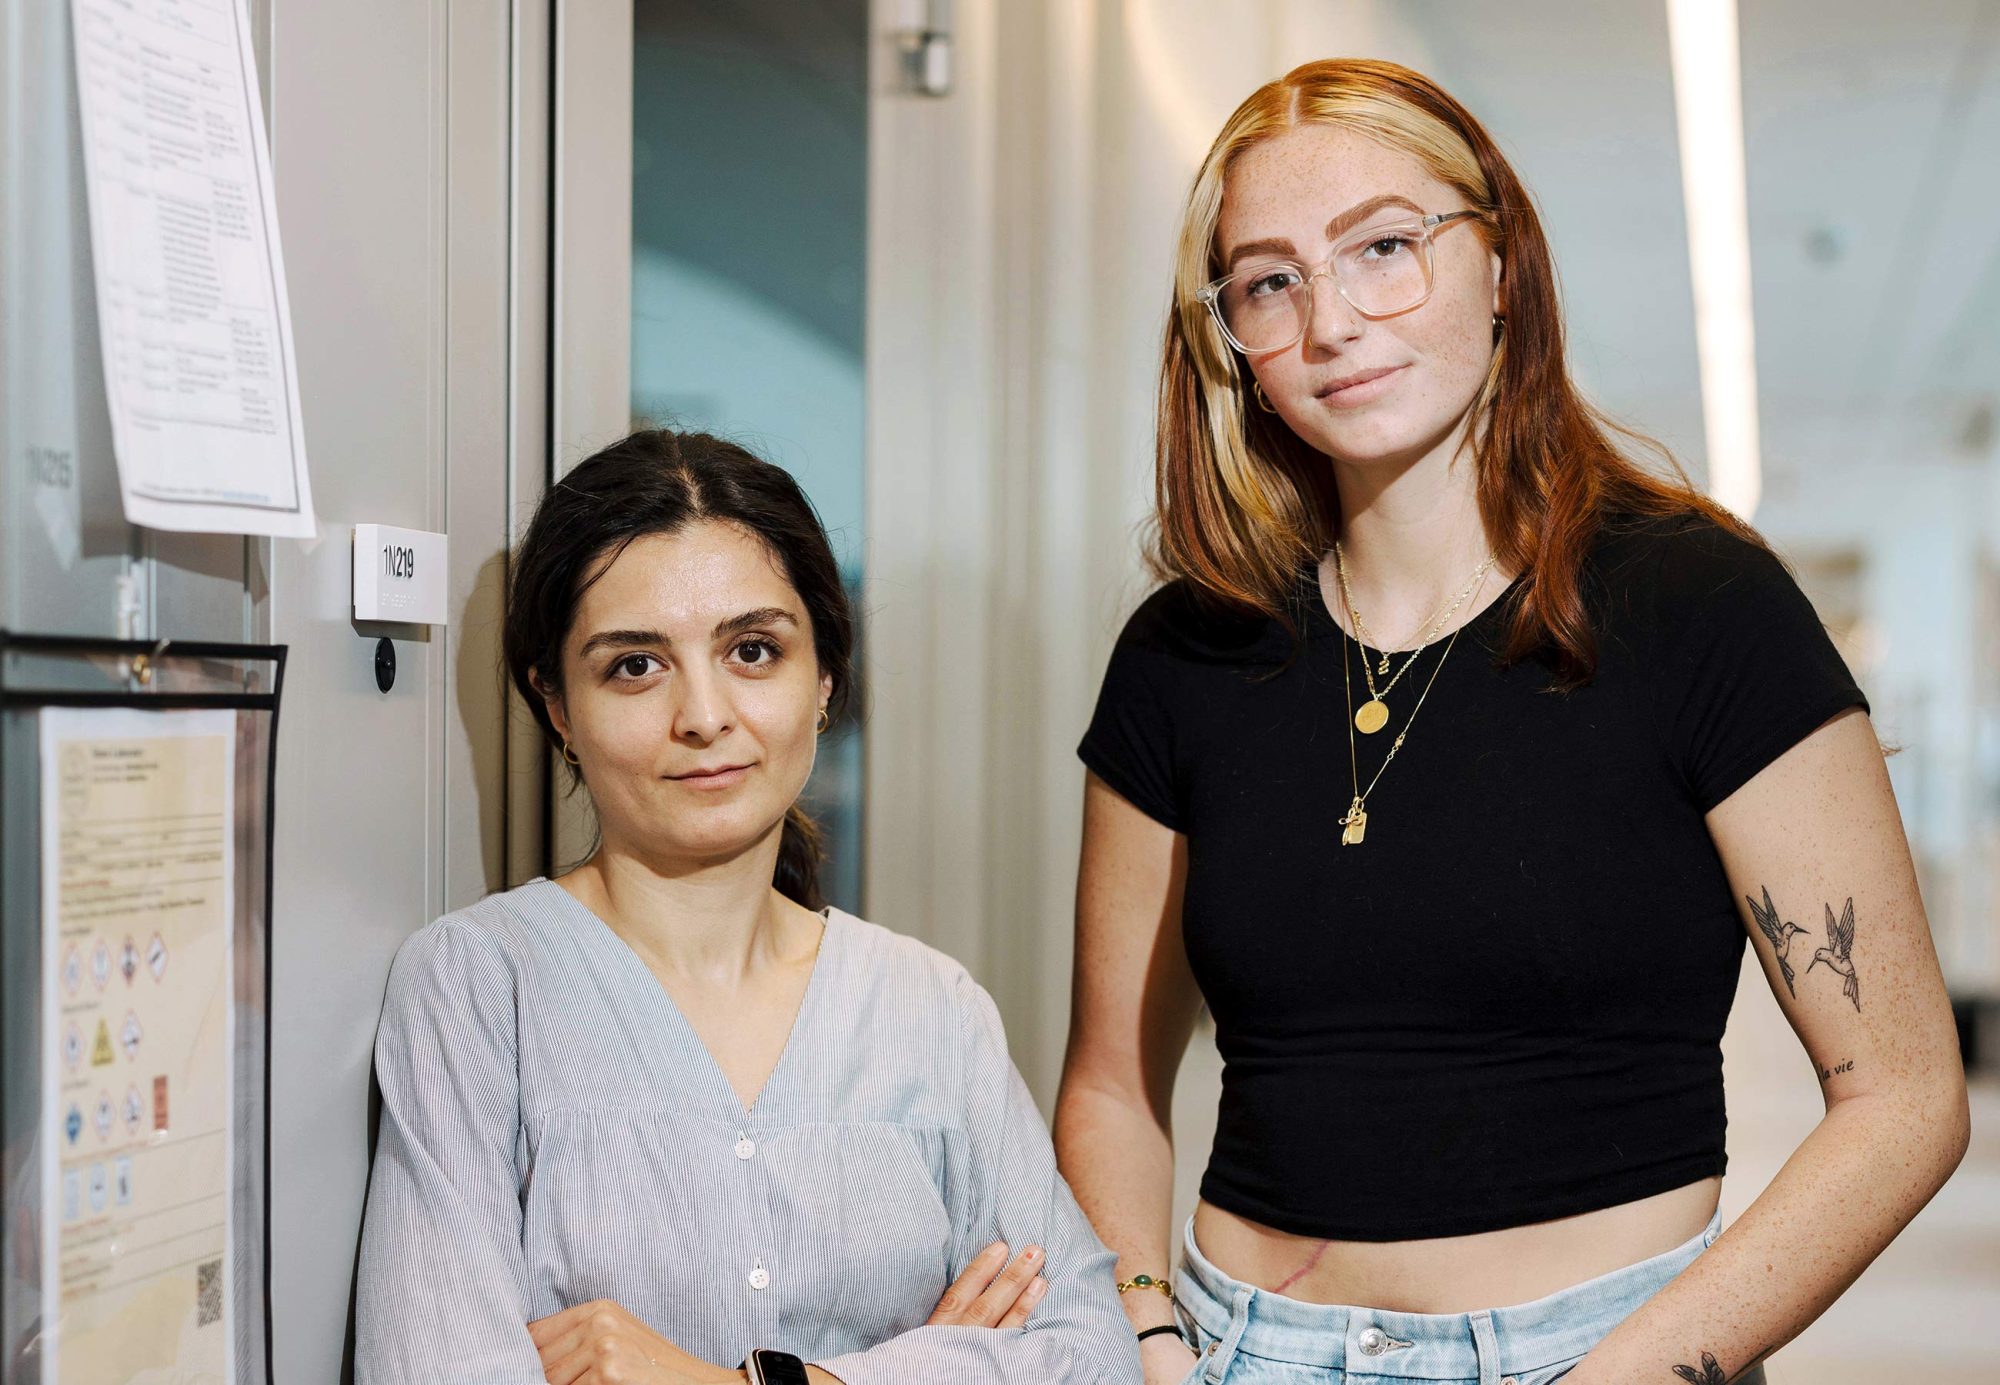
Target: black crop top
x=1505, y=1005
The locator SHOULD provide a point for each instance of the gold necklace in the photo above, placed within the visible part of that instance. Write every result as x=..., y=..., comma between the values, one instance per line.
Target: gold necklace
x=1354, y=823
x=1374, y=713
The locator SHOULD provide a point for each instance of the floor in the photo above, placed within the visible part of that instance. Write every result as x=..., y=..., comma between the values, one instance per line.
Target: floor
x=1926, y=1313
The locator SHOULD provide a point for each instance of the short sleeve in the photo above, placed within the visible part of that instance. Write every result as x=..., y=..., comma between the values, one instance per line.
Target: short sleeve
x=1130, y=742
x=1747, y=668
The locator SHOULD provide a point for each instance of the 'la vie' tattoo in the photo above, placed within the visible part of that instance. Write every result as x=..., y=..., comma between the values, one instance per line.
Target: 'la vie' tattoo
x=1838, y=954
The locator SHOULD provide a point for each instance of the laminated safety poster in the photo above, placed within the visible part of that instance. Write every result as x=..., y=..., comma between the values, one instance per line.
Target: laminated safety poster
x=138, y=861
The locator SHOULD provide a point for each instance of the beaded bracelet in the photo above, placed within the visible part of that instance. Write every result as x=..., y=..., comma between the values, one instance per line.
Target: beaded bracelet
x=1146, y=1281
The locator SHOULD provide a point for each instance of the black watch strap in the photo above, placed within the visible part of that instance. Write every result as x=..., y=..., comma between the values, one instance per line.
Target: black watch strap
x=768, y=1367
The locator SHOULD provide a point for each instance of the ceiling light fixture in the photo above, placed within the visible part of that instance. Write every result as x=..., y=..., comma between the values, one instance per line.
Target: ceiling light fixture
x=1708, y=104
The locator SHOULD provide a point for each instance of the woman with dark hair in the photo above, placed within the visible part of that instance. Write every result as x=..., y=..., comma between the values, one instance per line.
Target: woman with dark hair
x=1451, y=766
x=668, y=1112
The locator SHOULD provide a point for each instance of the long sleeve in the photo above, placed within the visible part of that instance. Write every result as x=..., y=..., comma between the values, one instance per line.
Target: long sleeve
x=443, y=1285
x=1006, y=1187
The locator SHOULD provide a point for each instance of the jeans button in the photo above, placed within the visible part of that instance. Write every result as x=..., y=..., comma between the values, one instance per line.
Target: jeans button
x=1373, y=1341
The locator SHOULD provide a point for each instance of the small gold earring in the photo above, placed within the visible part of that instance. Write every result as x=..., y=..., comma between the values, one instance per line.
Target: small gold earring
x=1257, y=388
x=824, y=721
x=570, y=755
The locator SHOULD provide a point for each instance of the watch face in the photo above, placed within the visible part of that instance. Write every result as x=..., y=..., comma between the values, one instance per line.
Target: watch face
x=777, y=1368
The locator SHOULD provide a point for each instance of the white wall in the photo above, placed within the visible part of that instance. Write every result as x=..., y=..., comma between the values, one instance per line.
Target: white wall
x=391, y=155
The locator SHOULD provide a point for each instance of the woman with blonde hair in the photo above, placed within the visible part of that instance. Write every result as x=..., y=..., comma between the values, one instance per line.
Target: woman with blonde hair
x=1450, y=767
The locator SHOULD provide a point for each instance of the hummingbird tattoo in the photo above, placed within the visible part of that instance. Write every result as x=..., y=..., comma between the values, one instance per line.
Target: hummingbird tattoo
x=1779, y=935
x=1710, y=1372
x=1838, y=954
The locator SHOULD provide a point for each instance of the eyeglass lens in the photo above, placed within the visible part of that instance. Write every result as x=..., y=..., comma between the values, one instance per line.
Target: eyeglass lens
x=1268, y=306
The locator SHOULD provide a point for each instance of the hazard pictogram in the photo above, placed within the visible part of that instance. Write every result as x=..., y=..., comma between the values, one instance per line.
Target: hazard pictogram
x=100, y=964
x=128, y=960
x=156, y=957
x=130, y=1034
x=72, y=970
x=73, y=1122
x=106, y=1113
x=101, y=1054
x=135, y=1109
x=72, y=1044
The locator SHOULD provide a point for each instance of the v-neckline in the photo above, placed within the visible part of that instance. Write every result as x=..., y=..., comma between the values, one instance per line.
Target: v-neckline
x=677, y=1022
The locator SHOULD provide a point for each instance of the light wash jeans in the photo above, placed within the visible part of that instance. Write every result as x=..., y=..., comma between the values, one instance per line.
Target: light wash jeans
x=1249, y=1336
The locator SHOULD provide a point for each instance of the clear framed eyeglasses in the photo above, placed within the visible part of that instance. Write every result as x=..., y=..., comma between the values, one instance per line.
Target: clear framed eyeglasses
x=1381, y=270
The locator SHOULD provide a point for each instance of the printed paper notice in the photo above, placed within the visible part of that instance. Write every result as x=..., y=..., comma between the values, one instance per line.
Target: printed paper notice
x=192, y=312
x=137, y=922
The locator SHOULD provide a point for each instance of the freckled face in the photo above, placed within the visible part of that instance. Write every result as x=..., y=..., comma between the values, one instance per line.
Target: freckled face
x=1289, y=188
x=691, y=693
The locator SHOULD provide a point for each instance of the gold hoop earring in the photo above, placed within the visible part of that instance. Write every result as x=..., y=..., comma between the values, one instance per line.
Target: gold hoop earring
x=824, y=721
x=570, y=755
x=1257, y=388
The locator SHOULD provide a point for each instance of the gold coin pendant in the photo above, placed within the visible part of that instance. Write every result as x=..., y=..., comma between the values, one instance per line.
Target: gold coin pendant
x=1373, y=716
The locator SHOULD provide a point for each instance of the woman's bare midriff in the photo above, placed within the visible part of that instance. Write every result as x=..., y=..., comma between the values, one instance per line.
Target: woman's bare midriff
x=1455, y=1274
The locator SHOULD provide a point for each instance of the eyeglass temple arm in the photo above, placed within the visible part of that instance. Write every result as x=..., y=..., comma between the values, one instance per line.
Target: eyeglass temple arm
x=1437, y=219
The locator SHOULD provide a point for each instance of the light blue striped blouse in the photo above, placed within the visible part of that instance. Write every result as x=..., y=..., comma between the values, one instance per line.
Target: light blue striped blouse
x=553, y=1132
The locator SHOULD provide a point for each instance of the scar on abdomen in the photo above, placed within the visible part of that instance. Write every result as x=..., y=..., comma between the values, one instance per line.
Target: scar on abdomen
x=1303, y=1270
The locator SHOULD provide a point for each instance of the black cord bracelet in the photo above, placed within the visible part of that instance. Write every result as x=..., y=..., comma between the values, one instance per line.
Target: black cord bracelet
x=1164, y=1327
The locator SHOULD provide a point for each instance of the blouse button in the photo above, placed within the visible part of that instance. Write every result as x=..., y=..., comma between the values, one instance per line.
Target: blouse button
x=745, y=1147
x=760, y=1278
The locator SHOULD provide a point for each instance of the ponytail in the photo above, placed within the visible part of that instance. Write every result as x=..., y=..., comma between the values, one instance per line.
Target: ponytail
x=800, y=852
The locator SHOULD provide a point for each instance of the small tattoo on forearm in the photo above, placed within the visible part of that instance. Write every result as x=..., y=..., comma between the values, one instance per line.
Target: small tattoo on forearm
x=1708, y=1373
x=1838, y=954
x=1828, y=1074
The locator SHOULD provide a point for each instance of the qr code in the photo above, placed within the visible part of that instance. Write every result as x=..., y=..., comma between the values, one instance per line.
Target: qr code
x=208, y=1293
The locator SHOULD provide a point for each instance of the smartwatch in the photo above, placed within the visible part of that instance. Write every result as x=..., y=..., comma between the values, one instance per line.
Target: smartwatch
x=769, y=1367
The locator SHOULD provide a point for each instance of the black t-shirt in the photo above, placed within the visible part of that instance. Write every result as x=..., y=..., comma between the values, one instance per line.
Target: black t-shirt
x=1505, y=1005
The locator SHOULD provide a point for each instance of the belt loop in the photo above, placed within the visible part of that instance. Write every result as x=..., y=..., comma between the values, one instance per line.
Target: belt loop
x=1218, y=1361
x=1487, y=1346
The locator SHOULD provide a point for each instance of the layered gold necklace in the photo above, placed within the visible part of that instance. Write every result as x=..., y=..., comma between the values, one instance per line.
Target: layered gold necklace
x=1373, y=714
